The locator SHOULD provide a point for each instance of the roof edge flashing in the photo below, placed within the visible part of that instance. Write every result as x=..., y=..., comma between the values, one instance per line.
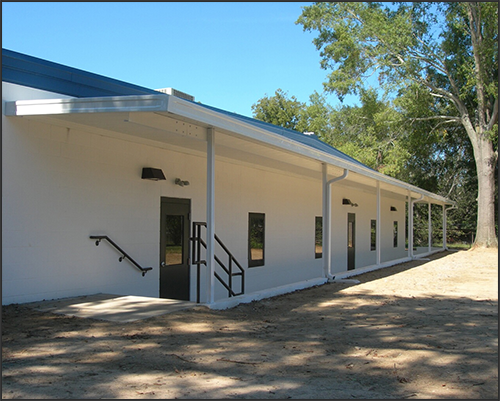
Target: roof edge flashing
x=216, y=119
x=108, y=104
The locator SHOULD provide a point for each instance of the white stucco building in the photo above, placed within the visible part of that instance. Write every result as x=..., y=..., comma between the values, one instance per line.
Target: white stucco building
x=291, y=211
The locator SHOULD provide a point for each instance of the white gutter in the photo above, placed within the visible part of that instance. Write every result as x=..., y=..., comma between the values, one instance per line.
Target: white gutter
x=199, y=113
x=163, y=103
x=327, y=226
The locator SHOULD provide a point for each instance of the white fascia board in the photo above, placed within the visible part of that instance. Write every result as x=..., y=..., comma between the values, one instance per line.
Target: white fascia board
x=192, y=111
x=214, y=119
x=114, y=104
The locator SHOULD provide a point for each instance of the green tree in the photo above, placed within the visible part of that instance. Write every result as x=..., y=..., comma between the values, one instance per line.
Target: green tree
x=441, y=58
x=280, y=110
x=288, y=112
x=370, y=133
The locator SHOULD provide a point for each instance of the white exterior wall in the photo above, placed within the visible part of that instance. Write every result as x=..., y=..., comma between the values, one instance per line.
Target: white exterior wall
x=365, y=212
x=60, y=185
x=290, y=205
x=389, y=252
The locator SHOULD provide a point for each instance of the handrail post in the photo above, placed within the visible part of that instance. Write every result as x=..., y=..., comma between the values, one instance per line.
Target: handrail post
x=230, y=272
x=228, y=269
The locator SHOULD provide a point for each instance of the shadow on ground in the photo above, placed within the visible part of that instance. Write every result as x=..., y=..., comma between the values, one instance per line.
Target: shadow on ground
x=319, y=343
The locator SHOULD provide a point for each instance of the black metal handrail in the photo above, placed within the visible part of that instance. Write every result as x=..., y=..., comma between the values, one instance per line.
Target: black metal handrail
x=196, y=260
x=144, y=270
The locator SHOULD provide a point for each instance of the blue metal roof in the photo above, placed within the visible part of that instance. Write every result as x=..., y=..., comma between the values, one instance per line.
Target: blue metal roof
x=21, y=69
x=309, y=140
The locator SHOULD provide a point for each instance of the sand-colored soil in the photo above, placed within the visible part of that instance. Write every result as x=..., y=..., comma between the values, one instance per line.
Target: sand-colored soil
x=422, y=329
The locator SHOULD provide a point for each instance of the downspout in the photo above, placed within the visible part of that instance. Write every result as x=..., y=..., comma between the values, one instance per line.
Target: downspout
x=410, y=230
x=327, y=213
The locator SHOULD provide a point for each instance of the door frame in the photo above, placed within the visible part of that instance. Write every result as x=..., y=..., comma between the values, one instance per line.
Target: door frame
x=175, y=280
x=351, y=240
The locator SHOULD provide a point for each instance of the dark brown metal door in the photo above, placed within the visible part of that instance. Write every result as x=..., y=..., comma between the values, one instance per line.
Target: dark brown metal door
x=351, y=240
x=174, y=248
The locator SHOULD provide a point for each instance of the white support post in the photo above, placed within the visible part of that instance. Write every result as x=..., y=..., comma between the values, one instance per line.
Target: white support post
x=326, y=221
x=410, y=225
x=327, y=212
x=210, y=214
x=444, y=226
x=379, y=226
x=429, y=228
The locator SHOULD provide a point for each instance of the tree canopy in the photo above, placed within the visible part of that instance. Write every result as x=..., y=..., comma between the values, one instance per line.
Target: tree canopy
x=438, y=61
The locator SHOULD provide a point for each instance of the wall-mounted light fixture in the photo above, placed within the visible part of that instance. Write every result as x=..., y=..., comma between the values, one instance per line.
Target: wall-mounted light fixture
x=393, y=209
x=154, y=174
x=178, y=181
x=346, y=201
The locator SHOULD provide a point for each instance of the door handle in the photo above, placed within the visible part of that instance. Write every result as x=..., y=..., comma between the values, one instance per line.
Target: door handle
x=163, y=264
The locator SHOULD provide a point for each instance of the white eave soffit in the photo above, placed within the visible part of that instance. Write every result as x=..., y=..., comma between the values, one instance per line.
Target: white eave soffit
x=191, y=111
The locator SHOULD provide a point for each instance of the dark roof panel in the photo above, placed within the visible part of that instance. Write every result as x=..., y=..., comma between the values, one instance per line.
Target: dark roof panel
x=309, y=140
x=21, y=69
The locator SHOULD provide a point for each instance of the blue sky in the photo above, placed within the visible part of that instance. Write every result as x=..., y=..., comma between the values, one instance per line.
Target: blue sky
x=227, y=55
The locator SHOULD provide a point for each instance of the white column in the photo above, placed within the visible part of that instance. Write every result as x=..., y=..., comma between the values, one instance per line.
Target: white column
x=327, y=207
x=379, y=226
x=430, y=228
x=410, y=225
x=210, y=214
x=444, y=226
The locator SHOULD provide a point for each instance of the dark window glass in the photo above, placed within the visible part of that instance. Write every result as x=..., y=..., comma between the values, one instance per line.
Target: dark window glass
x=256, y=231
x=395, y=234
x=173, y=247
x=350, y=234
x=373, y=233
x=319, y=237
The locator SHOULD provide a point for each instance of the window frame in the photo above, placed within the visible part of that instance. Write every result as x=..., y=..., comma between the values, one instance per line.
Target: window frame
x=373, y=235
x=318, y=255
x=256, y=262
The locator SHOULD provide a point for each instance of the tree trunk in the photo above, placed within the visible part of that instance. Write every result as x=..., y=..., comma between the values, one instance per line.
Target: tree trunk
x=485, y=164
x=484, y=155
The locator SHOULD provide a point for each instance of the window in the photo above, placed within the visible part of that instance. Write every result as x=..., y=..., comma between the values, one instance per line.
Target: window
x=373, y=235
x=395, y=234
x=174, y=245
x=318, y=240
x=256, y=231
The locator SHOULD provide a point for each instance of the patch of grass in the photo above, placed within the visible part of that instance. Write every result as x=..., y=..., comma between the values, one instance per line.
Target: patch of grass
x=458, y=246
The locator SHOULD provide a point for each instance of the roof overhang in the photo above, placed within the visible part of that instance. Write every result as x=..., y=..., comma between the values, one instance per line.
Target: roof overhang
x=167, y=119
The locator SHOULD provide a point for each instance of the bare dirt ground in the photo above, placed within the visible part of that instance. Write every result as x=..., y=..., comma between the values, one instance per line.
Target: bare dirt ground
x=422, y=329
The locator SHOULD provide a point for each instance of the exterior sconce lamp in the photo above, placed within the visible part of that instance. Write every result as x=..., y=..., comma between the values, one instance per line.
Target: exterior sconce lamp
x=393, y=209
x=181, y=183
x=153, y=174
x=346, y=201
